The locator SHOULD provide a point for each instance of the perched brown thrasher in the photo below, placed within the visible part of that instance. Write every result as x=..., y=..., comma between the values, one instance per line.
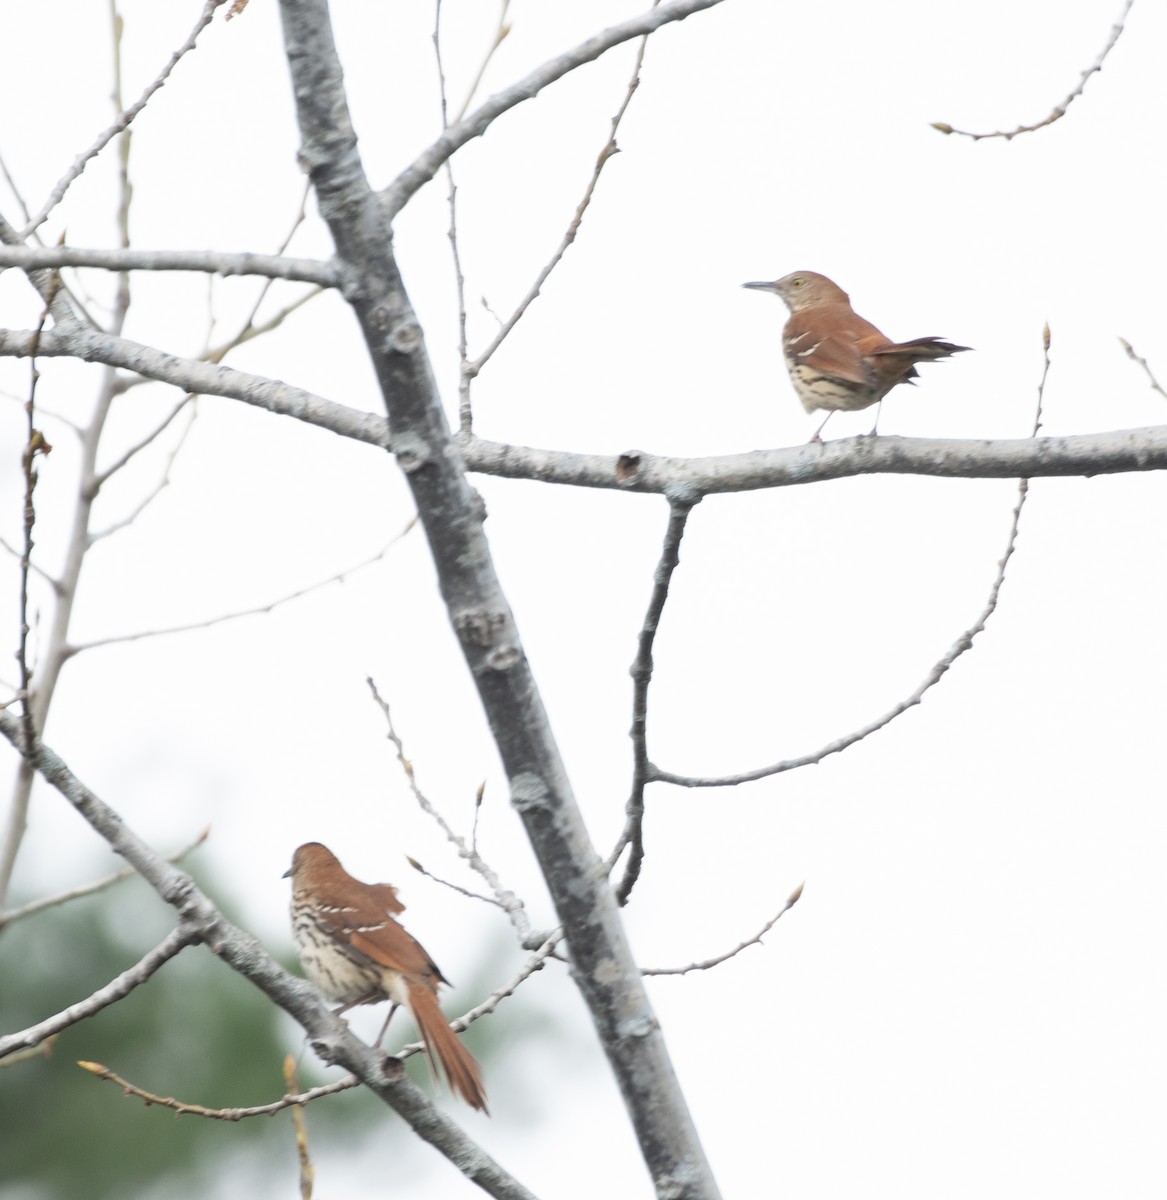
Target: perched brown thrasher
x=836, y=359
x=355, y=952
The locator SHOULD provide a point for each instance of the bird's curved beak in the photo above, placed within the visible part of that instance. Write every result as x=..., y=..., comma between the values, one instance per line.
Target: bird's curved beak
x=759, y=287
x=286, y=874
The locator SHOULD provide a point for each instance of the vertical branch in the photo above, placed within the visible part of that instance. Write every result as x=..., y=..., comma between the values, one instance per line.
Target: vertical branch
x=54, y=653
x=681, y=501
x=465, y=412
x=34, y=445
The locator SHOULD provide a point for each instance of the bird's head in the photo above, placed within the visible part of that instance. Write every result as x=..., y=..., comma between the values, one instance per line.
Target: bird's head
x=803, y=289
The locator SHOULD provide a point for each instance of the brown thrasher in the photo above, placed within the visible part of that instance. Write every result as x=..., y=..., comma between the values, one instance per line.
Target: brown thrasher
x=836, y=359
x=355, y=952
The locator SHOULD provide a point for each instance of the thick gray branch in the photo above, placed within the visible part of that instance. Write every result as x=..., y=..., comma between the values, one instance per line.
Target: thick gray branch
x=193, y=375
x=213, y=262
x=427, y=164
x=1015, y=458
x=451, y=515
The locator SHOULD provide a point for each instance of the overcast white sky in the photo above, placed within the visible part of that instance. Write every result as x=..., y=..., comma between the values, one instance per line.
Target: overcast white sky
x=970, y=996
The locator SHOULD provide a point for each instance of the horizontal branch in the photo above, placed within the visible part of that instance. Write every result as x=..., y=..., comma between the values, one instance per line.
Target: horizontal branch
x=427, y=164
x=211, y=262
x=193, y=375
x=1108, y=453
x=1086, y=454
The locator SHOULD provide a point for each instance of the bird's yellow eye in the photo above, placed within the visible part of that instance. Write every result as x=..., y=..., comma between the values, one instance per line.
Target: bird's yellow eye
x=798, y=282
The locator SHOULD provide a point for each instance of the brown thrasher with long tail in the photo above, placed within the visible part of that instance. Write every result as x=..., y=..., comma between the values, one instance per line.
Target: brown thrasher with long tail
x=836, y=359
x=355, y=952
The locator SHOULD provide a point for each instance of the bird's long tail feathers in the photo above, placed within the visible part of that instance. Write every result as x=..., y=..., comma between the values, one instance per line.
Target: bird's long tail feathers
x=442, y=1046
x=921, y=349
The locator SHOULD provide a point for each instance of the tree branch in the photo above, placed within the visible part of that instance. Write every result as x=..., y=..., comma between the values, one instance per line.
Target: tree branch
x=471, y=370
x=184, y=935
x=717, y=960
x=88, y=889
x=426, y=165
x=208, y=379
x=505, y=899
x=270, y=606
x=181, y=1107
x=121, y=124
x=680, y=506
x=1086, y=454
x=1060, y=110
x=212, y=262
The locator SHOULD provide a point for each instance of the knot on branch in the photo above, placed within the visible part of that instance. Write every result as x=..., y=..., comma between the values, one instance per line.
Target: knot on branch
x=404, y=337
x=480, y=627
x=412, y=452
x=529, y=792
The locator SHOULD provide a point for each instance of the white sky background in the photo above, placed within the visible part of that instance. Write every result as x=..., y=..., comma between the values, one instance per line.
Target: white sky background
x=969, y=996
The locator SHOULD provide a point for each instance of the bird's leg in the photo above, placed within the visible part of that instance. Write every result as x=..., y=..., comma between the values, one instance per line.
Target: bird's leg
x=817, y=436
x=385, y=1028
x=878, y=410
x=367, y=999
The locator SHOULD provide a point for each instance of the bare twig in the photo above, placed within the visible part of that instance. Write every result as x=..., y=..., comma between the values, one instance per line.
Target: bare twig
x=477, y=811
x=149, y=497
x=1130, y=353
x=141, y=445
x=756, y=940
x=610, y=148
x=35, y=446
x=122, y=123
x=506, y=899
x=35, y=568
x=500, y=34
x=14, y=189
x=938, y=671
x=447, y=883
x=250, y=332
x=307, y=1170
x=178, y=939
x=88, y=889
x=465, y=412
x=41, y=1050
x=680, y=505
x=535, y=963
x=221, y=1114
x=245, y=331
x=270, y=606
x=1060, y=110
x=427, y=164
